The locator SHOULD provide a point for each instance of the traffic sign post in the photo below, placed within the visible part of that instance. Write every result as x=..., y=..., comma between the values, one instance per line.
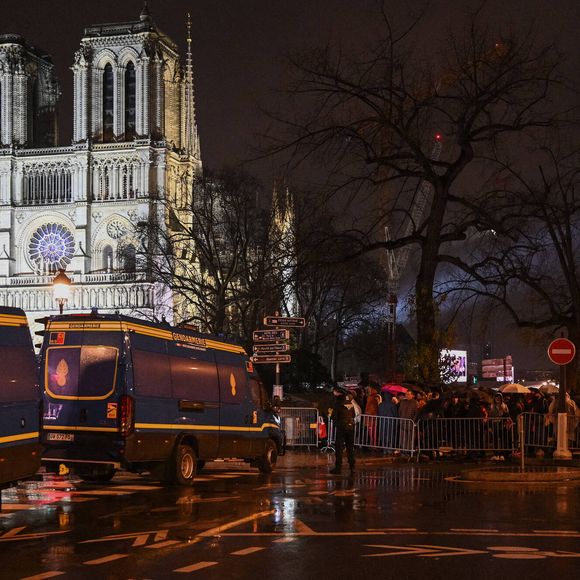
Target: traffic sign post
x=271, y=335
x=287, y=321
x=271, y=346
x=270, y=358
x=562, y=352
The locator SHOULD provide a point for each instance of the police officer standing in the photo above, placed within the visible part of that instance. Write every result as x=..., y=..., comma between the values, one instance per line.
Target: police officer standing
x=343, y=416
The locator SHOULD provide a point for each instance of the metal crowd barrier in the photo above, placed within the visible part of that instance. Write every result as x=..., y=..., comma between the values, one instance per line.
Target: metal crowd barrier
x=467, y=434
x=300, y=425
x=540, y=430
x=387, y=433
x=460, y=435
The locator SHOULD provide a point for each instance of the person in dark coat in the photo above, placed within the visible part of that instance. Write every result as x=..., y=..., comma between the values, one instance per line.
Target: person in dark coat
x=343, y=415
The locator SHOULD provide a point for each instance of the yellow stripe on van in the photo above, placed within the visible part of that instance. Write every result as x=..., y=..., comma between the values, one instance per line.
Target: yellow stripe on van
x=21, y=437
x=107, y=325
x=203, y=427
x=79, y=428
x=10, y=320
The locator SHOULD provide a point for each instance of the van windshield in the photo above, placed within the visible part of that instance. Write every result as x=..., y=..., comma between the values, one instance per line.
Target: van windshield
x=83, y=372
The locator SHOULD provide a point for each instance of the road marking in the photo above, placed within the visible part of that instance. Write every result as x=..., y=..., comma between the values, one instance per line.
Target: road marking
x=14, y=534
x=44, y=575
x=247, y=551
x=303, y=529
x=163, y=544
x=391, y=529
x=555, y=531
x=105, y=559
x=194, y=567
x=141, y=538
x=523, y=553
x=285, y=540
x=219, y=529
x=397, y=551
x=472, y=530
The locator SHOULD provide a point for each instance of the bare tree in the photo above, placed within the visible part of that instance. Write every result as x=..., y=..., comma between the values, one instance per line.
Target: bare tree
x=373, y=118
x=530, y=264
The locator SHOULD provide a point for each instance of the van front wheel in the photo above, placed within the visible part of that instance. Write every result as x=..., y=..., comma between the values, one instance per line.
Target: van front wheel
x=184, y=465
x=268, y=460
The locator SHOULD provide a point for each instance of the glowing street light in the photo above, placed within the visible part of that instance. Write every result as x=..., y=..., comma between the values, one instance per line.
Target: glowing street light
x=61, y=289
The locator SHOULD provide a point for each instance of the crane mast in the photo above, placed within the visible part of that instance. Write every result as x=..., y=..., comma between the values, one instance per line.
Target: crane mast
x=396, y=260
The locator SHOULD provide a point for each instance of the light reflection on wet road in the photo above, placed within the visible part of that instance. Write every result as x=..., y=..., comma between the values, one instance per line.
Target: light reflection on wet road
x=412, y=521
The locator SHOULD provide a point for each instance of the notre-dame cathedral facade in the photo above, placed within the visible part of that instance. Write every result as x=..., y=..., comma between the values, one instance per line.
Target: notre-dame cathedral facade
x=134, y=153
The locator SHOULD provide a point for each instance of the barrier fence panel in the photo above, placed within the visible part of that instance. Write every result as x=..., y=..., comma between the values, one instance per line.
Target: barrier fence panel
x=467, y=434
x=388, y=433
x=542, y=430
x=300, y=425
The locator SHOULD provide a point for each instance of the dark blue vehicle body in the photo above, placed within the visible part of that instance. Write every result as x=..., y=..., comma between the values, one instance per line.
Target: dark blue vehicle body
x=19, y=399
x=120, y=392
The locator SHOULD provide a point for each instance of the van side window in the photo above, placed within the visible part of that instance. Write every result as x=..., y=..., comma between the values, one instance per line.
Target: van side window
x=233, y=383
x=194, y=379
x=151, y=369
x=256, y=393
x=18, y=379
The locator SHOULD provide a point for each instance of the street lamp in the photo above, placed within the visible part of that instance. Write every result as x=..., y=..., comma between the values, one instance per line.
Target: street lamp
x=61, y=289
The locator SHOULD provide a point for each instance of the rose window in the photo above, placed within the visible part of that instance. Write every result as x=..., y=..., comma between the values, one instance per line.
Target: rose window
x=51, y=247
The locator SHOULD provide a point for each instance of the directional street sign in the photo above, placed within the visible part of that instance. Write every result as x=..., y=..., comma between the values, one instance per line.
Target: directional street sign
x=271, y=335
x=270, y=358
x=272, y=346
x=288, y=321
x=561, y=351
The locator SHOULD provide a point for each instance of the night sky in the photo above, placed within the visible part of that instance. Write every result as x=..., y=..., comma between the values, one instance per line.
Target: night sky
x=239, y=47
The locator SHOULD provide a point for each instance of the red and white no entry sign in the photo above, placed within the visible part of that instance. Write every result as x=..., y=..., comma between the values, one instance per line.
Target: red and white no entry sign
x=561, y=351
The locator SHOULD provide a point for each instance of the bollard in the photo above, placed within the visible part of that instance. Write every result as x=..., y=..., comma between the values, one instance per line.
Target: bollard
x=562, y=451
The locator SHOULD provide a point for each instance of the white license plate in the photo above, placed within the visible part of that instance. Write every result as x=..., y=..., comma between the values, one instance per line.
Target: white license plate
x=60, y=436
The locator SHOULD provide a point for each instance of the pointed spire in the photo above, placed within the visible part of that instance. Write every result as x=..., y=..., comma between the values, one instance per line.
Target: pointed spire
x=145, y=15
x=191, y=145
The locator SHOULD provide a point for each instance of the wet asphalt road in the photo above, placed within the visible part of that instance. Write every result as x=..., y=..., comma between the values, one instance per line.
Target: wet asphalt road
x=389, y=521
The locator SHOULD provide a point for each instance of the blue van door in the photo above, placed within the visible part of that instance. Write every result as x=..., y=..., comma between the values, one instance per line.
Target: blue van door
x=176, y=393
x=239, y=419
x=19, y=399
x=83, y=380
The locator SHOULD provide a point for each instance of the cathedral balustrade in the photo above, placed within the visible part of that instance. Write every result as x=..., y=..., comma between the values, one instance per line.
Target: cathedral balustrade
x=136, y=296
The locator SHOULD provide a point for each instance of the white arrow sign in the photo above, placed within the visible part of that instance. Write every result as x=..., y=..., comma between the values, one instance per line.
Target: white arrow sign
x=141, y=538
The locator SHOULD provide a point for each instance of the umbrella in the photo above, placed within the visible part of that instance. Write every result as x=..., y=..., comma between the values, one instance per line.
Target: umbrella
x=394, y=389
x=514, y=388
x=549, y=389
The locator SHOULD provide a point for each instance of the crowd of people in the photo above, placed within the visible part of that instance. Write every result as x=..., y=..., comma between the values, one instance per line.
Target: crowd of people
x=487, y=404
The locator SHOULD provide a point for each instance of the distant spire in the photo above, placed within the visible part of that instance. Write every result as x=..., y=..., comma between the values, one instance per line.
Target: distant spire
x=145, y=15
x=190, y=129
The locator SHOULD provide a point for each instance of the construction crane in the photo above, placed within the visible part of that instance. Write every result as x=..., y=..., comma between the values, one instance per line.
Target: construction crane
x=396, y=260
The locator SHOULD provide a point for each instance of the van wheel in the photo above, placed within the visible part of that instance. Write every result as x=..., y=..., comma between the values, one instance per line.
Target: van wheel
x=98, y=476
x=266, y=463
x=184, y=465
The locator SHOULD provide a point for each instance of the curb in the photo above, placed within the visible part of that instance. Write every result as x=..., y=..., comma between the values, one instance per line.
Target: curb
x=515, y=475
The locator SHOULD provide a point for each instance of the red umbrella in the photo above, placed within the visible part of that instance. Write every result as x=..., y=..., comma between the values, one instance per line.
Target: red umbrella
x=394, y=389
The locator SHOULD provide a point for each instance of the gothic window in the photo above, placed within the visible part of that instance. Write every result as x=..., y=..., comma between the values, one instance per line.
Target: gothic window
x=108, y=106
x=107, y=258
x=128, y=258
x=51, y=247
x=130, y=101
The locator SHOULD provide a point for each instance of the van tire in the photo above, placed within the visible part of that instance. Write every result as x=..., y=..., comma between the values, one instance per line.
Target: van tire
x=98, y=476
x=183, y=466
x=267, y=461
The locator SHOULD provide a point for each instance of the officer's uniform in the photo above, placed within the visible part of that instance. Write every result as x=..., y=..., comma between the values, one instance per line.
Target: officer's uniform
x=343, y=415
